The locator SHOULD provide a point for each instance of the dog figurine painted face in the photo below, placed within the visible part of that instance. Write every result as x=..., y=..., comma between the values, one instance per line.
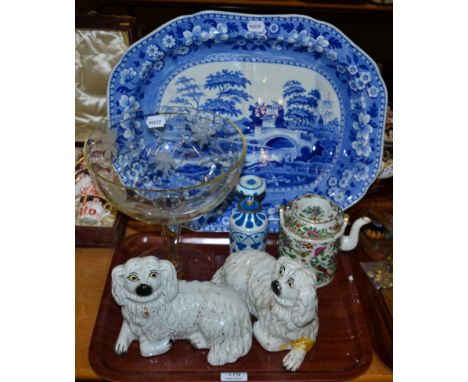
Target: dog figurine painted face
x=281, y=293
x=139, y=280
x=295, y=288
x=157, y=309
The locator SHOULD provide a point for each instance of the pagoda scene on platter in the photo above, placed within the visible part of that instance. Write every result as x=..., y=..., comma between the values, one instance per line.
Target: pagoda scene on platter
x=292, y=132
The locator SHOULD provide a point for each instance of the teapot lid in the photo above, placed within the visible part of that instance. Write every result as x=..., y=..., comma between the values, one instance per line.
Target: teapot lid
x=316, y=209
x=314, y=217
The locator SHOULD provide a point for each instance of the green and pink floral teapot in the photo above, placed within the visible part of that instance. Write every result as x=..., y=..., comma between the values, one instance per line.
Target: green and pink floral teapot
x=312, y=230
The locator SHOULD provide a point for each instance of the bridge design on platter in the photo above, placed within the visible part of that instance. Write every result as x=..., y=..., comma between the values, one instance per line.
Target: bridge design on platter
x=286, y=143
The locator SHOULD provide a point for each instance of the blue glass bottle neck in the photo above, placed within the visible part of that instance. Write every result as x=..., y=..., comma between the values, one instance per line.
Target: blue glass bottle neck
x=249, y=204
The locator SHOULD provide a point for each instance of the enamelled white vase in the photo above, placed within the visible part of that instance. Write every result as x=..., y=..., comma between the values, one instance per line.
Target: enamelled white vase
x=248, y=225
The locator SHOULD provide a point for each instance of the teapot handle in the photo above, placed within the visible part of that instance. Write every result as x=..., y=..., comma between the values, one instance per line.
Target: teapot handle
x=281, y=215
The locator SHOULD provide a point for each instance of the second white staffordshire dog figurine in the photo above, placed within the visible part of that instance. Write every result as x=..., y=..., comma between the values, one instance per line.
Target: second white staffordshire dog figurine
x=281, y=293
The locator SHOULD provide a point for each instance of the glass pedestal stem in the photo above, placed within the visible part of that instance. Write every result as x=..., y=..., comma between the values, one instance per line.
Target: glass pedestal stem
x=171, y=238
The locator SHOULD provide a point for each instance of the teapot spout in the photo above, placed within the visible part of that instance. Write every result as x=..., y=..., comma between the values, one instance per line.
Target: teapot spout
x=348, y=243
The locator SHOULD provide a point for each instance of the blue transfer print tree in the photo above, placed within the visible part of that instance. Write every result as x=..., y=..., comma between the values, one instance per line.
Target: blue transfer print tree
x=301, y=105
x=189, y=92
x=229, y=85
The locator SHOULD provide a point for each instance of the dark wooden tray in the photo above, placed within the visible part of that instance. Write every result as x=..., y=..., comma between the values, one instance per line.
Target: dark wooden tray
x=378, y=316
x=109, y=237
x=96, y=236
x=343, y=349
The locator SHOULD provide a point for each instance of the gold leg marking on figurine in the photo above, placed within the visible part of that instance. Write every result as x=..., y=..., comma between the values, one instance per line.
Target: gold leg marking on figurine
x=304, y=343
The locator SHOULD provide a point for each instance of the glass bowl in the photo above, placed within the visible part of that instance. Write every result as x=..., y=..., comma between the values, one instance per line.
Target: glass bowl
x=168, y=167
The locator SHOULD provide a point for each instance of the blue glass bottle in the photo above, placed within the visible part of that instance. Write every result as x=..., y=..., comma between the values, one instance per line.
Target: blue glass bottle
x=249, y=223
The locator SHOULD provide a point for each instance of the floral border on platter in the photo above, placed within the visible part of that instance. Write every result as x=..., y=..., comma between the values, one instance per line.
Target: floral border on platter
x=352, y=67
